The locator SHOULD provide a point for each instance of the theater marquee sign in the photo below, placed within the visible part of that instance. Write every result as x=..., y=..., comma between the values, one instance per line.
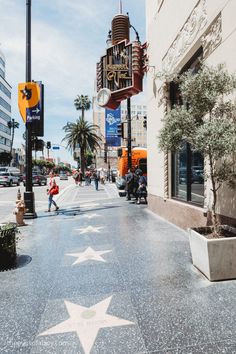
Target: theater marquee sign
x=120, y=73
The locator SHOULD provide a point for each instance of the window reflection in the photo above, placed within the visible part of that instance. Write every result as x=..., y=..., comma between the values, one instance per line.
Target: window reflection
x=188, y=175
x=197, y=187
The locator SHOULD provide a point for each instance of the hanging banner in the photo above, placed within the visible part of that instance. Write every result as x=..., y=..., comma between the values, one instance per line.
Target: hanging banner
x=31, y=105
x=113, y=118
x=36, y=115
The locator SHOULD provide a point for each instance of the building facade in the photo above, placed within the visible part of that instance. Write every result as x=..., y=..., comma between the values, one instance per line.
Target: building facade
x=179, y=35
x=5, y=108
x=138, y=130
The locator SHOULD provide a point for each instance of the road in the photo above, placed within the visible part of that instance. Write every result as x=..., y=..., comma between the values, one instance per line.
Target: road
x=70, y=194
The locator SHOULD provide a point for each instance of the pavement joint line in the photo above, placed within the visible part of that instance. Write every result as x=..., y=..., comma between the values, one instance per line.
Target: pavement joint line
x=165, y=220
x=63, y=192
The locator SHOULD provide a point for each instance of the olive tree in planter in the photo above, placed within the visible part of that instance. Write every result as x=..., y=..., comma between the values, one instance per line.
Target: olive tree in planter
x=207, y=120
x=8, y=239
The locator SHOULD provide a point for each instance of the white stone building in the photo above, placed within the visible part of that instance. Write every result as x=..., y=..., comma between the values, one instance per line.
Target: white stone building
x=5, y=108
x=179, y=33
x=138, y=115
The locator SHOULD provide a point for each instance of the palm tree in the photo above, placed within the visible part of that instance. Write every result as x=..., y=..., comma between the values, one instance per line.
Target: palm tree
x=82, y=134
x=12, y=125
x=82, y=103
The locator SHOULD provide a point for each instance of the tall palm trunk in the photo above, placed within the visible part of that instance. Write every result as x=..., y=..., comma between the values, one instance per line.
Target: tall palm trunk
x=82, y=159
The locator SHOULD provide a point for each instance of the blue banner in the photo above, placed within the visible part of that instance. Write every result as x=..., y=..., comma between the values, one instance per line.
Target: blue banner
x=113, y=117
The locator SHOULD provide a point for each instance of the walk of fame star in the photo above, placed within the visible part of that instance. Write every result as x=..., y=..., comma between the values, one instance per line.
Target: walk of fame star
x=91, y=216
x=88, y=255
x=86, y=322
x=90, y=229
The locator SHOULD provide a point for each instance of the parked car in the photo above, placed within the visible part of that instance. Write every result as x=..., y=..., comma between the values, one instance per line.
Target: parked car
x=13, y=170
x=37, y=179
x=8, y=179
x=63, y=175
x=197, y=175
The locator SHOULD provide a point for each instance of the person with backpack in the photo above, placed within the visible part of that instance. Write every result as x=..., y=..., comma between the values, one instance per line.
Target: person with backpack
x=53, y=190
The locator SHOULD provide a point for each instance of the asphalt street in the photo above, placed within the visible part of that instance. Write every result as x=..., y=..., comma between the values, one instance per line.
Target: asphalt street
x=106, y=276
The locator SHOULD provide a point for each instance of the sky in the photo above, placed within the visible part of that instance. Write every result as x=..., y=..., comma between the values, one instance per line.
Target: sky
x=68, y=39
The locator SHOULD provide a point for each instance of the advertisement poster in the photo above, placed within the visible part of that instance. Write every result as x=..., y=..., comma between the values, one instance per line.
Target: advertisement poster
x=113, y=118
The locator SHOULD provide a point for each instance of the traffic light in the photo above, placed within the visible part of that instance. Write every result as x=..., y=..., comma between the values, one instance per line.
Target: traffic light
x=120, y=130
x=48, y=145
x=145, y=122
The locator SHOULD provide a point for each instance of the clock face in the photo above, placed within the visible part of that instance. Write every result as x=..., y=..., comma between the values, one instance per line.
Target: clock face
x=103, y=96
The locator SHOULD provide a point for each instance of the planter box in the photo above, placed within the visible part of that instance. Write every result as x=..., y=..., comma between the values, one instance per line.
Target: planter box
x=215, y=258
x=7, y=246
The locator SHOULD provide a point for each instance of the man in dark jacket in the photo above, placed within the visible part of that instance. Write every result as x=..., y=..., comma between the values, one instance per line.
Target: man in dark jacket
x=129, y=179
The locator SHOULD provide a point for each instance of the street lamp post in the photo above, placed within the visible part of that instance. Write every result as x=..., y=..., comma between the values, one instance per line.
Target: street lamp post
x=29, y=194
x=129, y=138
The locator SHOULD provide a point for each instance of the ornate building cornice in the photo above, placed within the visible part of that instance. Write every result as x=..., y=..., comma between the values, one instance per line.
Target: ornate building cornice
x=213, y=37
x=194, y=24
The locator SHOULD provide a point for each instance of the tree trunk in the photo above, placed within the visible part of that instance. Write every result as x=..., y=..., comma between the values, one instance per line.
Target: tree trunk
x=82, y=159
x=214, y=203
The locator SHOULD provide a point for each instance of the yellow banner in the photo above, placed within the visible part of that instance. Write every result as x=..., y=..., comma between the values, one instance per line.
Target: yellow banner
x=28, y=97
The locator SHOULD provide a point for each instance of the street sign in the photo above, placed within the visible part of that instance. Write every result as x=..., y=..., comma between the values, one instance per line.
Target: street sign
x=56, y=147
x=31, y=105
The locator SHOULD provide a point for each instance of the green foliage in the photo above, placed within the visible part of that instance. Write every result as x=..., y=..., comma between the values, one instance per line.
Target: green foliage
x=8, y=237
x=206, y=120
x=5, y=158
x=178, y=126
x=82, y=103
x=89, y=156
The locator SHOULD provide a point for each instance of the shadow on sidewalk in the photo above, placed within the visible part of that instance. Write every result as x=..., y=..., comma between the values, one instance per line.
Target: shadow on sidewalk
x=74, y=211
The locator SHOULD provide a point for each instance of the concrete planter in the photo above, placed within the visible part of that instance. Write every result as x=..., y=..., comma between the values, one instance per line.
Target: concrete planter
x=215, y=258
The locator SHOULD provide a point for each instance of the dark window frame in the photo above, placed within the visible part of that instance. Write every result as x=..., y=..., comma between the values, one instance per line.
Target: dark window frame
x=175, y=99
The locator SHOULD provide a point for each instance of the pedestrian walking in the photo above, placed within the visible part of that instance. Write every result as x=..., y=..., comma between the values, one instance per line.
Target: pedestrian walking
x=129, y=183
x=96, y=179
x=142, y=189
x=87, y=178
x=53, y=190
x=80, y=178
x=102, y=176
x=76, y=176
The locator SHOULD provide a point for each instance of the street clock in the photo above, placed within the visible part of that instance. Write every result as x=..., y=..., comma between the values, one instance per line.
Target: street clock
x=103, y=97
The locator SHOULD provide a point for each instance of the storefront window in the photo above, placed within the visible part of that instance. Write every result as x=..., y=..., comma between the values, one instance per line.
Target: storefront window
x=187, y=165
x=187, y=175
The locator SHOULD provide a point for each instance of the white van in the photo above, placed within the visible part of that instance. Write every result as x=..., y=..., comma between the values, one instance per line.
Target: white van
x=9, y=176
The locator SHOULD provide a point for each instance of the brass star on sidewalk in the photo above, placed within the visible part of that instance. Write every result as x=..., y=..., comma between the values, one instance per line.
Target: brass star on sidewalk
x=88, y=255
x=86, y=322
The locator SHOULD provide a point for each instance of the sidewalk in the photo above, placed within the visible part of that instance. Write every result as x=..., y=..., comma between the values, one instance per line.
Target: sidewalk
x=110, y=277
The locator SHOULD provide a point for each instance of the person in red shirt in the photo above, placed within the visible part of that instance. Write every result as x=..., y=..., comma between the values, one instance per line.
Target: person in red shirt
x=53, y=189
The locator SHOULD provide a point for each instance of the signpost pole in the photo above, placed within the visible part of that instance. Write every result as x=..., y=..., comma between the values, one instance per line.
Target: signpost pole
x=29, y=194
x=129, y=139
